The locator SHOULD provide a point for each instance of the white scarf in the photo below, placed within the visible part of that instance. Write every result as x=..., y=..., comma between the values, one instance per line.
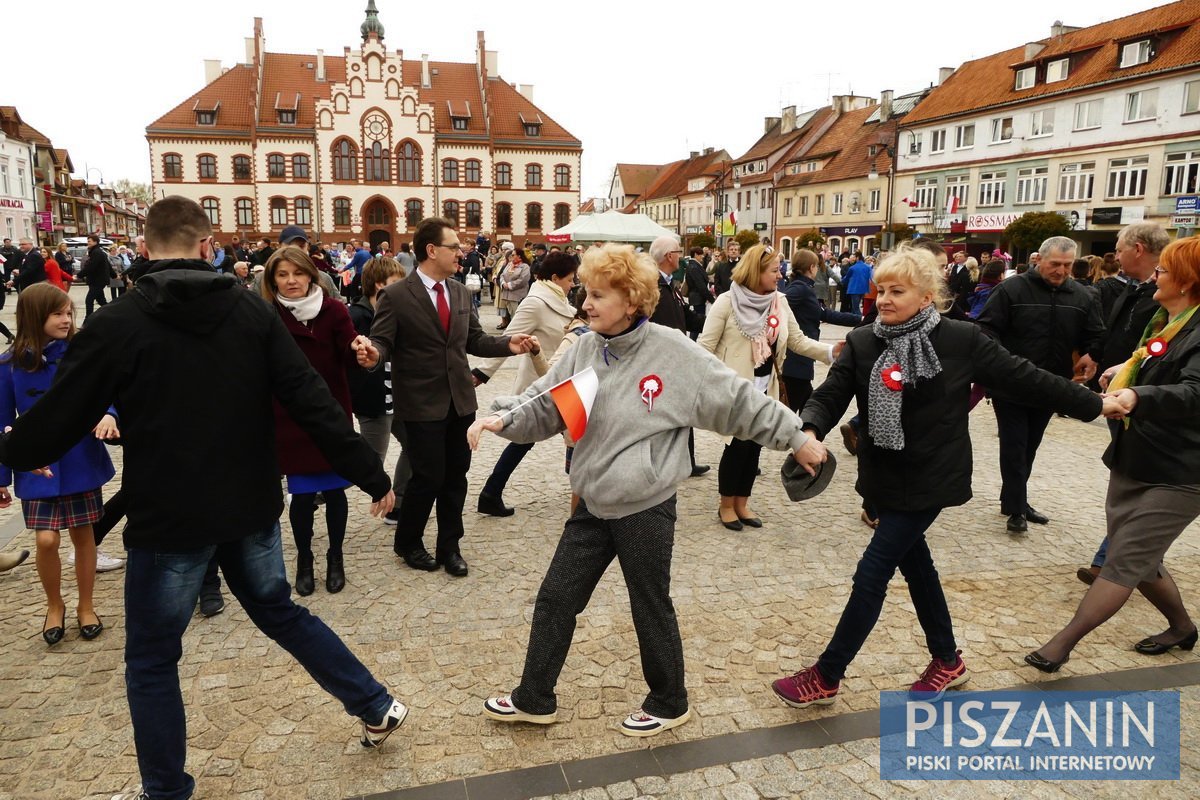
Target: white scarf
x=307, y=307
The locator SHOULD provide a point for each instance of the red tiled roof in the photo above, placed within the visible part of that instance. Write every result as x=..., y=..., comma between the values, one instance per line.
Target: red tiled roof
x=589, y=207
x=773, y=140
x=234, y=90
x=673, y=179
x=1095, y=54
x=635, y=178
x=507, y=106
x=25, y=131
x=286, y=75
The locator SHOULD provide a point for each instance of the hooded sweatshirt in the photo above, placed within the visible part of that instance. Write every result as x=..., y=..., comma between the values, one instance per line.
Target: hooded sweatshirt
x=191, y=361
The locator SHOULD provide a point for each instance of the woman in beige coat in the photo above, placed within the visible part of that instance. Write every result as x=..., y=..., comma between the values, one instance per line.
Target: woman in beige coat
x=751, y=328
x=514, y=282
x=545, y=313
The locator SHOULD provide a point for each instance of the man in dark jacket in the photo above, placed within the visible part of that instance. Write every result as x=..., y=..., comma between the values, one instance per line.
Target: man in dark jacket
x=723, y=277
x=695, y=283
x=958, y=279
x=33, y=266
x=186, y=340
x=97, y=271
x=1045, y=317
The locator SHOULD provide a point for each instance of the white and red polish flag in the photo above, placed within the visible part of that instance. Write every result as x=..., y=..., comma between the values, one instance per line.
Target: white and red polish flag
x=952, y=204
x=574, y=398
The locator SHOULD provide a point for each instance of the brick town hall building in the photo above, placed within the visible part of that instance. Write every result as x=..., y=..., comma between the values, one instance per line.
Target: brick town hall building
x=365, y=145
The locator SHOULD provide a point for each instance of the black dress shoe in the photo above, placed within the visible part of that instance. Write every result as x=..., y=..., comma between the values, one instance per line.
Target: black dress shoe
x=1149, y=647
x=211, y=603
x=54, y=635
x=493, y=506
x=699, y=469
x=753, y=522
x=335, y=573
x=454, y=564
x=304, y=574
x=1017, y=524
x=736, y=525
x=1037, y=660
x=420, y=559
x=1036, y=518
x=90, y=632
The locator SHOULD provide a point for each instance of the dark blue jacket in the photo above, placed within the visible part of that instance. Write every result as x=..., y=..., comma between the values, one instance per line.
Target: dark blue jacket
x=809, y=315
x=84, y=467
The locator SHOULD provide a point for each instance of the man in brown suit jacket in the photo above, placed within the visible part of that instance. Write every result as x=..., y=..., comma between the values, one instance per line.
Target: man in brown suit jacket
x=426, y=325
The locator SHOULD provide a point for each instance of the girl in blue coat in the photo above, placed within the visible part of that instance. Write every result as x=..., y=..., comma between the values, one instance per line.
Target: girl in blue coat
x=66, y=494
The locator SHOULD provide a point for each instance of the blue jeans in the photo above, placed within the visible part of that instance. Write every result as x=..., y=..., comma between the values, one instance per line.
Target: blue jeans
x=899, y=541
x=161, y=590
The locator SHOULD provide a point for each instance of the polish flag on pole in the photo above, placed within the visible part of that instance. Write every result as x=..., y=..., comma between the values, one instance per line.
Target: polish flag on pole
x=100, y=209
x=573, y=398
x=952, y=204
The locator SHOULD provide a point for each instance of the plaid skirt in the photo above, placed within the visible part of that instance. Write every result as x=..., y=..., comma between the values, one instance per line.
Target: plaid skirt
x=58, y=513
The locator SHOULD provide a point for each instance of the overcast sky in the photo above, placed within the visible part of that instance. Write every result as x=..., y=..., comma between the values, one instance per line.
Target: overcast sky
x=641, y=82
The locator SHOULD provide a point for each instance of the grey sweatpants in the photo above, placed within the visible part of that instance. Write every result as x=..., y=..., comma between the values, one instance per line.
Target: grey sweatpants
x=378, y=432
x=642, y=543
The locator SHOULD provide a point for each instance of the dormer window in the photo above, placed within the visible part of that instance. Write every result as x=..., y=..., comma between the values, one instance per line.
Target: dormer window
x=287, y=116
x=206, y=111
x=1025, y=78
x=1135, y=53
x=533, y=127
x=459, y=123
x=460, y=116
x=872, y=150
x=285, y=111
x=1057, y=70
x=206, y=118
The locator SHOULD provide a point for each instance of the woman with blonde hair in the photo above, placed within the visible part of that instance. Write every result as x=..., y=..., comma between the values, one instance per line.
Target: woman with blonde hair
x=912, y=371
x=751, y=328
x=652, y=386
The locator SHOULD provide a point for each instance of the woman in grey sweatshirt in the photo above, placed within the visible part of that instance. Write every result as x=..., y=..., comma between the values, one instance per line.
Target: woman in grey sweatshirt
x=654, y=385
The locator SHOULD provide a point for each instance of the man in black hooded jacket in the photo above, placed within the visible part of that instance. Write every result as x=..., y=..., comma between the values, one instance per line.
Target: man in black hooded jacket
x=185, y=341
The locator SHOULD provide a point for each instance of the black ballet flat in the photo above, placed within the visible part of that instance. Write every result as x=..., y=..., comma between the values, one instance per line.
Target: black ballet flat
x=1149, y=647
x=736, y=525
x=54, y=635
x=90, y=632
x=1038, y=661
x=753, y=522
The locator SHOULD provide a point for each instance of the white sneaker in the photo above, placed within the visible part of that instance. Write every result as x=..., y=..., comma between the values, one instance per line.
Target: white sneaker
x=132, y=794
x=639, y=723
x=502, y=709
x=105, y=562
x=375, y=735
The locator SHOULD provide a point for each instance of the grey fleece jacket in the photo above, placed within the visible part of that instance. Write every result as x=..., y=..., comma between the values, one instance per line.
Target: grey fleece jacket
x=633, y=456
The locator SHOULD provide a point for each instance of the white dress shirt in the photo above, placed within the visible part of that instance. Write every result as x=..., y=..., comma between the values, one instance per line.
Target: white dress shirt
x=429, y=284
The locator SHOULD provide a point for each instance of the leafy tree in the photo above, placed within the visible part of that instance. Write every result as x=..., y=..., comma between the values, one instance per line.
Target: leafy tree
x=813, y=239
x=1028, y=231
x=702, y=240
x=746, y=239
x=140, y=191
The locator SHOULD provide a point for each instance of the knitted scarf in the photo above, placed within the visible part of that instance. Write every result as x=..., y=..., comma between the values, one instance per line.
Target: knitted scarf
x=304, y=308
x=753, y=313
x=1158, y=334
x=907, y=357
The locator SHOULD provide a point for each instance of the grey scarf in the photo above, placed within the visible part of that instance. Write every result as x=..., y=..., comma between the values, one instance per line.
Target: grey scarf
x=908, y=351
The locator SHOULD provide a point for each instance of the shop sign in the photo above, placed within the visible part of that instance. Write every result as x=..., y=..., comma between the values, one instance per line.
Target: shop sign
x=6, y=202
x=853, y=230
x=45, y=221
x=1076, y=220
x=919, y=218
x=991, y=222
x=760, y=226
x=1109, y=215
x=1183, y=221
x=1187, y=204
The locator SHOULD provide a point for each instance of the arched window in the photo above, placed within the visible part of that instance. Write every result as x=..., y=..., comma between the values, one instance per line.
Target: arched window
x=413, y=213
x=173, y=167
x=278, y=211
x=533, y=176
x=450, y=211
x=213, y=210
x=341, y=211
x=208, y=167
x=504, y=174
x=345, y=162
x=276, y=166
x=299, y=166
x=562, y=177
x=408, y=163
x=245, y=212
x=533, y=217
x=376, y=165
x=474, y=214
x=303, y=207
x=379, y=214
x=472, y=171
x=504, y=216
x=449, y=171
x=241, y=168
x=562, y=215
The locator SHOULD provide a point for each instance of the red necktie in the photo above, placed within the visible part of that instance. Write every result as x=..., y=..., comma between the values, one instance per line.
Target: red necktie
x=443, y=308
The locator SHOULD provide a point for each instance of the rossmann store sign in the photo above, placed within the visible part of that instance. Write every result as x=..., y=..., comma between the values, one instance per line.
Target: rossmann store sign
x=990, y=222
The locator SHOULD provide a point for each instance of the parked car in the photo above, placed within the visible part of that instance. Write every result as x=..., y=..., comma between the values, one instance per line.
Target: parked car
x=77, y=246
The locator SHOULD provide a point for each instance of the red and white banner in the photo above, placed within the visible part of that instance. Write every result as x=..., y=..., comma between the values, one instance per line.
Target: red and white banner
x=574, y=398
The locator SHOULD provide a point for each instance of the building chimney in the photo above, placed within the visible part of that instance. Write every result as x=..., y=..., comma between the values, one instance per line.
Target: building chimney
x=885, y=105
x=1032, y=49
x=491, y=61
x=838, y=104
x=320, y=65
x=1059, y=29
x=425, y=81
x=789, y=120
x=943, y=74
x=249, y=49
x=693, y=155
x=526, y=90
x=708, y=151
x=212, y=70
x=769, y=122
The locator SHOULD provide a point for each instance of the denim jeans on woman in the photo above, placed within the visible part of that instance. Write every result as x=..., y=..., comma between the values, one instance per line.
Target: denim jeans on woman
x=161, y=590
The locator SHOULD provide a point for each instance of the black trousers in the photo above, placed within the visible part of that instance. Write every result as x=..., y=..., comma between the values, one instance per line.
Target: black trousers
x=798, y=392
x=642, y=543
x=440, y=459
x=738, y=469
x=95, y=294
x=1021, y=429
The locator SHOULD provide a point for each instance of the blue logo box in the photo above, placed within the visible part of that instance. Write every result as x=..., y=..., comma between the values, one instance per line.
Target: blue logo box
x=1010, y=735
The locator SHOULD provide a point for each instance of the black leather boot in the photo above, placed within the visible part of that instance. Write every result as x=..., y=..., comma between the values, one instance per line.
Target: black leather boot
x=304, y=573
x=335, y=575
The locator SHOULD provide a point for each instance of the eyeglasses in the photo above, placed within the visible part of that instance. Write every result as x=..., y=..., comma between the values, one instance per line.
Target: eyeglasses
x=455, y=246
x=1161, y=271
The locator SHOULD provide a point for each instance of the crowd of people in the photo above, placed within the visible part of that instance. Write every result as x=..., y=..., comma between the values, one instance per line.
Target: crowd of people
x=308, y=342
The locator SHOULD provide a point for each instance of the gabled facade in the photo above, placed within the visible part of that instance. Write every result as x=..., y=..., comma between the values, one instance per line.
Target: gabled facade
x=629, y=182
x=365, y=145
x=663, y=199
x=18, y=202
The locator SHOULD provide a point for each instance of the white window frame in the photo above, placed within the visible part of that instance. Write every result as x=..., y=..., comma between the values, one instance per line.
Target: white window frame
x=1180, y=170
x=1041, y=123
x=5, y=187
x=925, y=191
x=787, y=206
x=1076, y=182
x=1058, y=70
x=1088, y=114
x=302, y=214
x=837, y=203
x=803, y=206
x=1025, y=78
x=961, y=134
x=214, y=212
x=1031, y=186
x=1135, y=53
x=937, y=141
x=998, y=130
x=1142, y=105
x=959, y=186
x=992, y=188
x=279, y=216
x=1127, y=178
x=873, y=201
x=914, y=143
x=1191, y=97
x=819, y=208
x=21, y=179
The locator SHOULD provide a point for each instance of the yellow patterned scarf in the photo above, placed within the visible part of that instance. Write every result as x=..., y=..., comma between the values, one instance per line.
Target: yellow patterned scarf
x=1158, y=334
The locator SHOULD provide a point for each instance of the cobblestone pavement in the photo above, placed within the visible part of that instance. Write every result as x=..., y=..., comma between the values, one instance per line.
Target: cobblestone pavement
x=751, y=606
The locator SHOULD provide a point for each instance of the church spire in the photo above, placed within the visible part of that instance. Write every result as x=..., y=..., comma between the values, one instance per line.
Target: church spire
x=371, y=25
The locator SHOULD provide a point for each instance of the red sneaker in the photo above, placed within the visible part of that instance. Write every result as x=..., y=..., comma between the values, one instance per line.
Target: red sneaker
x=805, y=688
x=942, y=675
